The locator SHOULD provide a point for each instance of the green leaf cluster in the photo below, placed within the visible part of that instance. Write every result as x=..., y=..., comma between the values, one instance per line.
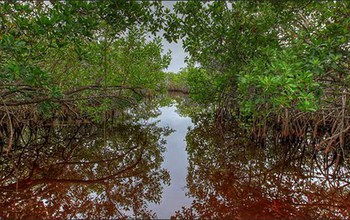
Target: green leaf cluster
x=264, y=57
x=84, y=52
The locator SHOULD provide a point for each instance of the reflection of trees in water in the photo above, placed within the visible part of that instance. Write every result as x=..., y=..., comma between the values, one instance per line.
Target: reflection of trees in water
x=65, y=172
x=230, y=178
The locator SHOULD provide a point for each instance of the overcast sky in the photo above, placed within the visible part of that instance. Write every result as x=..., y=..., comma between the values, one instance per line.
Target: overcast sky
x=177, y=53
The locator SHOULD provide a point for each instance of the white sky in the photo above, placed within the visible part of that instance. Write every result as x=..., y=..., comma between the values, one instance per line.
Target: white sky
x=177, y=53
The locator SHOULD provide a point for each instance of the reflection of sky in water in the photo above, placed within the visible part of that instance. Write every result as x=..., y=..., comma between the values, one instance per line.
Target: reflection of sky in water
x=175, y=160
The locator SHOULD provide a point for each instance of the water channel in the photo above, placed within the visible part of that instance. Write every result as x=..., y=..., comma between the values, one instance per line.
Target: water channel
x=159, y=162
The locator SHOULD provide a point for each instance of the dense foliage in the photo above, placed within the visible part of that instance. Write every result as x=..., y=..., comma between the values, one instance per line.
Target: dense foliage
x=280, y=65
x=256, y=60
x=264, y=71
x=94, y=54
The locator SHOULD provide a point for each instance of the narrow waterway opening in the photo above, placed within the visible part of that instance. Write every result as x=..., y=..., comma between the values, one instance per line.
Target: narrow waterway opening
x=175, y=161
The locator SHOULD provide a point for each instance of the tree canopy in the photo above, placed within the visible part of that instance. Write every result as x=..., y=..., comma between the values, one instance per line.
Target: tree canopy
x=269, y=64
x=78, y=51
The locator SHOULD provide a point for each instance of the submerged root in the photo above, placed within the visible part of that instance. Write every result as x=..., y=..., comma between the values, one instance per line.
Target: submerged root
x=327, y=131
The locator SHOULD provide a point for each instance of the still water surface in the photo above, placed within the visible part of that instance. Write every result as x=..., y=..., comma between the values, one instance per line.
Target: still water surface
x=175, y=161
x=158, y=164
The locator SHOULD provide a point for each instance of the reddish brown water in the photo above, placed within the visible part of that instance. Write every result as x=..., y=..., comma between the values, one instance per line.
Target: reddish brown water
x=67, y=172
